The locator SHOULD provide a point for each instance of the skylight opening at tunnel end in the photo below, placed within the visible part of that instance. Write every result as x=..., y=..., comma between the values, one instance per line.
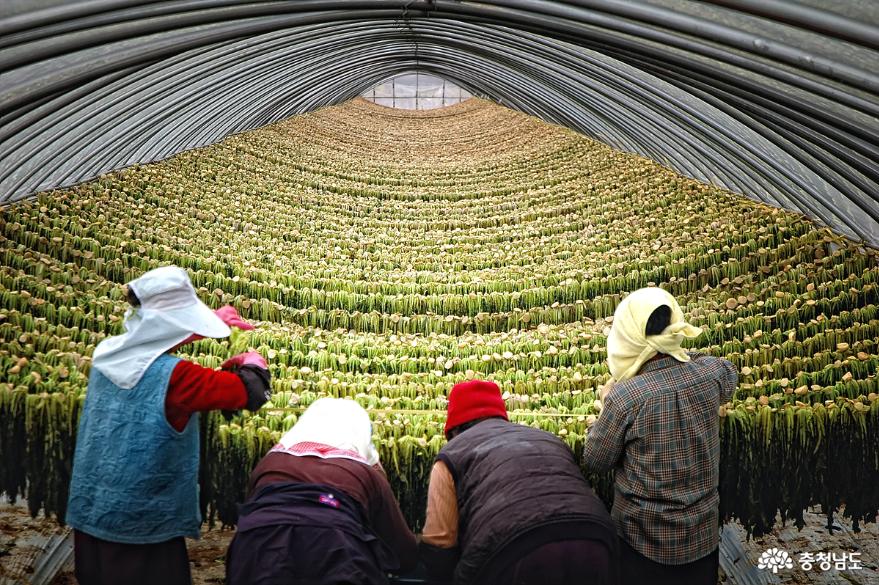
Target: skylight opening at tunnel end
x=416, y=91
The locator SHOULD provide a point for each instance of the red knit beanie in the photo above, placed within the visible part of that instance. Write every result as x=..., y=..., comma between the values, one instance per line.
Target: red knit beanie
x=474, y=399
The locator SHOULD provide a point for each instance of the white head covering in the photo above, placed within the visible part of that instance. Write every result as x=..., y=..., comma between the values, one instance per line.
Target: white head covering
x=169, y=313
x=336, y=422
x=628, y=345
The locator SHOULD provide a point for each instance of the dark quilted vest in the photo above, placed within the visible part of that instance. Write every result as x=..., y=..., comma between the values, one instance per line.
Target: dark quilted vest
x=518, y=488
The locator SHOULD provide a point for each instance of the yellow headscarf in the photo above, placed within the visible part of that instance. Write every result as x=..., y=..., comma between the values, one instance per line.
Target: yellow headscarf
x=628, y=346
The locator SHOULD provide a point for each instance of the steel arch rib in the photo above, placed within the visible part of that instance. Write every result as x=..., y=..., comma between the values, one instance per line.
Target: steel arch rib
x=720, y=102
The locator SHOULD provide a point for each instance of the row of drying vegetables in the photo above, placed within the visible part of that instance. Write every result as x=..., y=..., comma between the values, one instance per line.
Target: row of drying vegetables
x=818, y=454
x=385, y=258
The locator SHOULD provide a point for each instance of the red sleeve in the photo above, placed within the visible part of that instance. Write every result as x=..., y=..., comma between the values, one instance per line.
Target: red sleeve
x=194, y=388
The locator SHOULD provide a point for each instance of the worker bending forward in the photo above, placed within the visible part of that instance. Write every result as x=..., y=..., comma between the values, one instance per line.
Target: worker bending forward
x=507, y=503
x=320, y=509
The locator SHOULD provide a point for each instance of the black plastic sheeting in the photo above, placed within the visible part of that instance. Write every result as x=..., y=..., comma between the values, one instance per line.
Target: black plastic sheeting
x=777, y=100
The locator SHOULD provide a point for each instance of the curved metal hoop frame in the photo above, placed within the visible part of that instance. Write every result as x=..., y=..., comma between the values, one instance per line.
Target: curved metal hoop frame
x=777, y=100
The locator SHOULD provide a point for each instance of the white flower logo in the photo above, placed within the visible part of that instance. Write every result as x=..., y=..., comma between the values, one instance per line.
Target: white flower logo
x=775, y=559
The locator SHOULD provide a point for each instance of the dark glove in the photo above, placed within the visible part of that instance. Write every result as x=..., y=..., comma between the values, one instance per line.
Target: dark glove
x=257, y=382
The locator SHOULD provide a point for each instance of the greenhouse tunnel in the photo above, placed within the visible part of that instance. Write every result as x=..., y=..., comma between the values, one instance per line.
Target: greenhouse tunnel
x=387, y=199
x=775, y=100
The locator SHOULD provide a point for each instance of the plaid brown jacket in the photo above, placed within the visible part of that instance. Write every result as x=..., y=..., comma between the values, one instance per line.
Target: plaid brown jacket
x=660, y=433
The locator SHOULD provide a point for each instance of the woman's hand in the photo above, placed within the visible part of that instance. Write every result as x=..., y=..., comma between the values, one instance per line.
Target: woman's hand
x=250, y=358
x=227, y=315
x=230, y=317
